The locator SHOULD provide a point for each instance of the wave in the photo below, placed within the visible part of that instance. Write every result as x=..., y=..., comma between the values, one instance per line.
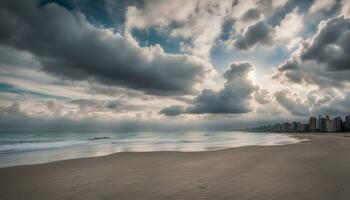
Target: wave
x=19, y=146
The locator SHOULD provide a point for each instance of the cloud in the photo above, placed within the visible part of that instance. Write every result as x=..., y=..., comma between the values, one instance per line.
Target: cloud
x=249, y=12
x=234, y=98
x=183, y=19
x=262, y=33
x=199, y=22
x=90, y=106
x=324, y=60
x=259, y=33
x=55, y=108
x=251, y=15
x=345, y=10
x=278, y=3
x=101, y=107
x=287, y=32
x=262, y=96
x=316, y=101
x=12, y=110
x=331, y=46
x=69, y=46
x=336, y=106
x=173, y=110
x=14, y=118
x=10, y=57
x=320, y=5
x=167, y=12
x=294, y=105
x=124, y=126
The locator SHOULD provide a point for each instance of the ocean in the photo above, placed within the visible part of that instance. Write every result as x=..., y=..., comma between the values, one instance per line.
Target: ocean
x=33, y=147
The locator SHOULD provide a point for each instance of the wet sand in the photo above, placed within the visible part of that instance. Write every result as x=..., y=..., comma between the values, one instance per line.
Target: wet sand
x=313, y=170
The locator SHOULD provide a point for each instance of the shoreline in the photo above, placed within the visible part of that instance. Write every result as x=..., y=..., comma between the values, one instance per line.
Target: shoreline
x=132, y=152
x=302, y=137
x=314, y=169
x=87, y=148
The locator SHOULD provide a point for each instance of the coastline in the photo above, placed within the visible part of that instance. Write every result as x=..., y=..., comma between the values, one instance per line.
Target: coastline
x=46, y=149
x=314, y=169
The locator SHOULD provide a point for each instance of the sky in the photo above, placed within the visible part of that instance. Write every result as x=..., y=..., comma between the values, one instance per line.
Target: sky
x=159, y=65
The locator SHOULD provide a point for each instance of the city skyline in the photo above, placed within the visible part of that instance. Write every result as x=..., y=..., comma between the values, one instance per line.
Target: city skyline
x=320, y=124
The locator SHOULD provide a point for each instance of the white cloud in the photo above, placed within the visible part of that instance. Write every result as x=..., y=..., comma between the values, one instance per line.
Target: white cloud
x=345, y=8
x=199, y=21
x=159, y=13
x=287, y=32
x=320, y=5
x=292, y=103
x=278, y=3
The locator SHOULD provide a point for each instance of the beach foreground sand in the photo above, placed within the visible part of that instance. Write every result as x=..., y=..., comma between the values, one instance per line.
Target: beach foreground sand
x=316, y=169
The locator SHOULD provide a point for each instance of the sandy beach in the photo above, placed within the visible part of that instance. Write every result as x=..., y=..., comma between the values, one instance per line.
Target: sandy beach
x=315, y=169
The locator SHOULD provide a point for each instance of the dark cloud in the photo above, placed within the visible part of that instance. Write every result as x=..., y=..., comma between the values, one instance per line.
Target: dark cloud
x=331, y=46
x=251, y=15
x=118, y=92
x=12, y=110
x=25, y=123
x=10, y=57
x=233, y=98
x=109, y=105
x=294, y=105
x=97, y=104
x=228, y=29
x=67, y=45
x=325, y=60
x=254, y=35
x=173, y=110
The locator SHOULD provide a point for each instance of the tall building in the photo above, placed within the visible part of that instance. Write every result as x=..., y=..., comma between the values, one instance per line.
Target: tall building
x=276, y=127
x=299, y=126
x=337, y=124
x=286, y=126
x=322, y=123
x=329, y=124
x=312, y=124
x=305, y=127
x=347, y=123
x=294, y=126
x=302, y=127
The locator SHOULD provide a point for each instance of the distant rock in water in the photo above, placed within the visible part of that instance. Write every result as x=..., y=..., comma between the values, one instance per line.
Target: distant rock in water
x=99, y=138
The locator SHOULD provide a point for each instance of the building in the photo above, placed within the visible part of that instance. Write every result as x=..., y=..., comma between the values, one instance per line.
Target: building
x=329, y=125
x=312, y=124
x=304, y=127
x=294, y=126
x=276, y=127
x=299, y=128
x=347, y=123
x=286, y=126
x=322, y=123
x=337, y=124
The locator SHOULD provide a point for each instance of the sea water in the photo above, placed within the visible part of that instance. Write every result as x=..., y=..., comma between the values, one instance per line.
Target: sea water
x=33, y=147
